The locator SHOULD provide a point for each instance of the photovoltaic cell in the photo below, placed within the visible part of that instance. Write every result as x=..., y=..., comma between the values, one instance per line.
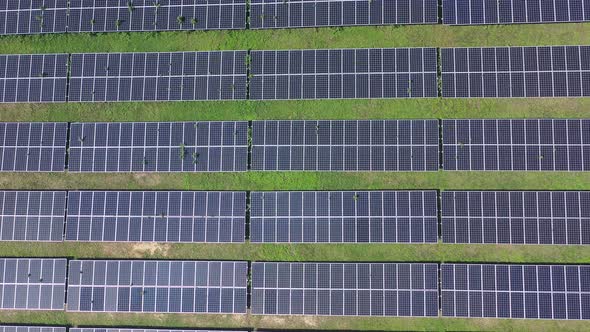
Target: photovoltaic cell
x=516, y=291
x=517, y=217
x=33, y=147
x=157, y=286
x=30, y=78
x=158, y=76
x=345, y=145
x=517, y=145
x=32, y=215
x=545, y=71
x=149, y=15
x=471, y=12
x=345, y=289
x=32, y=284
x=163, y=216
x=344, y=73
x=33, y=16
x=159, y=147
x=31, y=329
x=349, y=217
x=304, y=13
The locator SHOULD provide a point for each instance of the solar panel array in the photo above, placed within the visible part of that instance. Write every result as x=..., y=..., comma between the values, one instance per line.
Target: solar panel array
x=350, y=289
x=149, y=15
x=19, y=328
x=163, y=216
x=157, y=286
x=303, y=13
x=345, y=145
x=350, y=217
x=344, y=73
x=516, y=291
x=29, y=78
x=517, y=217
x=159, y=147
x=32, y=215
x=547, y=71
x=37, y=16
x=33, y=147
x=472, y=12
x=32, y=284
x=524, y=145
x=160, y=76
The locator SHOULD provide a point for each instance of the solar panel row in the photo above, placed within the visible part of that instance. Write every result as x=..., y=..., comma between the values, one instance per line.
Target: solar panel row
x=33, y=16
x=345, y=145
x=516, y=291
x=266, y=14
x=545, y=71
x=471, y=12
x=5, y=328
x=516, y=145
x=349, y=217
x=157, y=286
x=517, y=217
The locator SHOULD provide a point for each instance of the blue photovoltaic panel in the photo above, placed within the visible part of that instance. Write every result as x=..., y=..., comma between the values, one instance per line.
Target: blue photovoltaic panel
x=32, y=284
x=516, y=217
x=157, y=286
x=158, y=76
x=33, y=78
x=471, y=12
x=516, y=145
x=344, y=216
x=345, y=289
x=33, y=147
x=544, y=71
x=150, y=15
x=317, y=13
x=516, y=291
x=159, y=147
x=33, y=16
x=162, y=216
x=345, y=145
x=344, y=73
x=32, y=329
x=32, y=215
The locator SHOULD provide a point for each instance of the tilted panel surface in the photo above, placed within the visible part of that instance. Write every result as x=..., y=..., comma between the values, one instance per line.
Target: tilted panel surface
x=150, y=216
x=19, y=17
x=516, y=217
x=344, y=73
x=516, y=291
x=32, y=284
x=157, y=286
x=159, y=147
x=516, y=145
x=344, y=216
x=345, y=145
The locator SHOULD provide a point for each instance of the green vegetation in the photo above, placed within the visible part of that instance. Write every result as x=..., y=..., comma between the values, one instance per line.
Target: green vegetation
x=404, y=36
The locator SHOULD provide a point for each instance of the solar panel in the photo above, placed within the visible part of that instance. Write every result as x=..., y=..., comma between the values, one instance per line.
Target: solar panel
x=547, y=71
x=344, y=73
x=33, y=147
x=33, y=78
x=32, y=215
x=318, y=13
x=517, y=217
x=344, y=216
x=162, y=216
x=37, y=16
x=518, y=145
x=345, y=145
x=31, y=329
x=516, y=291
x=159, y=147
x=470, y=12
x=161, y=15
x=345, y=289
x=32, y=284
x=157, y=286
x=158, y=76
